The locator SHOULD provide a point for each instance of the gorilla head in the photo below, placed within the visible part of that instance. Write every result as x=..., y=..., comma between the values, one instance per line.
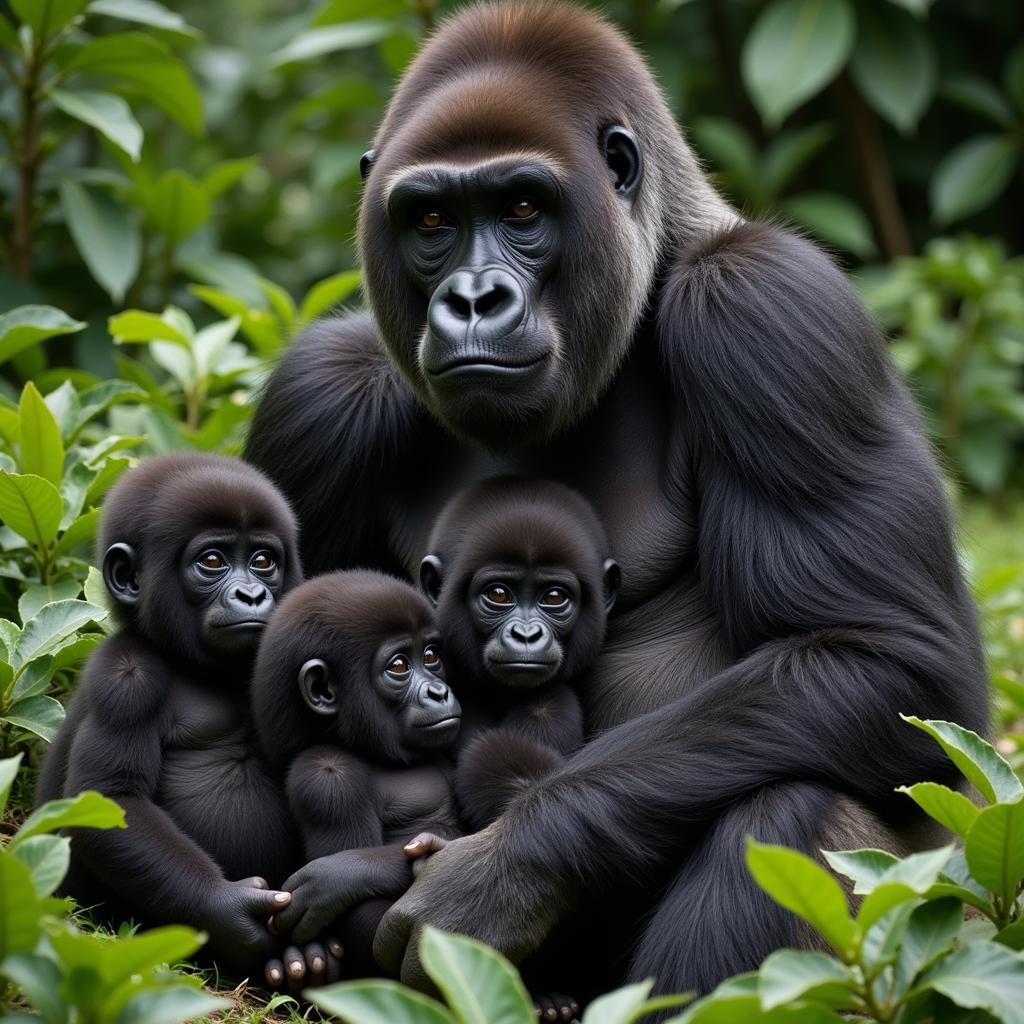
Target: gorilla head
x=196, y=549
x=516, y=199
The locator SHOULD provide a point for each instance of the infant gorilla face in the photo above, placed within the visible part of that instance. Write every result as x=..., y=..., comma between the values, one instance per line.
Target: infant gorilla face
x=523, y=618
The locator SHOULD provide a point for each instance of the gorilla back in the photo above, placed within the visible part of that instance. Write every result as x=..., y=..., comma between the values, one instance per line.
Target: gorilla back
x=556, y=290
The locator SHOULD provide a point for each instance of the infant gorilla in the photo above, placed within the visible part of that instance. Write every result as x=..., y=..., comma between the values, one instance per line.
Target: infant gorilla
x=354, y=714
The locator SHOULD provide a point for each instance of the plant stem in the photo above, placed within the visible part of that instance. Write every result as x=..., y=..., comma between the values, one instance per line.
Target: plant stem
x=28, y=158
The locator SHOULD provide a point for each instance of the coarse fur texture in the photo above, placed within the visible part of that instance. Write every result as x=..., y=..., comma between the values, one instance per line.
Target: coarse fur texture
x=160, y=719
x=717, y=392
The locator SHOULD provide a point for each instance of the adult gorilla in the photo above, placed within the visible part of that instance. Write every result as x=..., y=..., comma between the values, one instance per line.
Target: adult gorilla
x=557, y=290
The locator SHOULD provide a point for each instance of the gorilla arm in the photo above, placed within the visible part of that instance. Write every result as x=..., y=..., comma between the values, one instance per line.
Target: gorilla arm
x=824, y=548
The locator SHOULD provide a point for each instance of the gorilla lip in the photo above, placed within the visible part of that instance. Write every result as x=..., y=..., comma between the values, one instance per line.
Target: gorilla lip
x=474, y=364
x=451, y=719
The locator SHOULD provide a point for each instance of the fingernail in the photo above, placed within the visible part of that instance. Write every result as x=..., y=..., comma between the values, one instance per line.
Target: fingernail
x=337, y=949
x=275, y=975
x=413, y=846
x=317, y=964
x=282, y=897
x=296, y=966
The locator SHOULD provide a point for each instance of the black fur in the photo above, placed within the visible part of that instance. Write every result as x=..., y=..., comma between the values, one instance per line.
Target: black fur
x=727, y=406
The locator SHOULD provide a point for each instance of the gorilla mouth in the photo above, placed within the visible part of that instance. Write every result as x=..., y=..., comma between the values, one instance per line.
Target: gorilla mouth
x=441, y=723
x=525, y=666
x=244, y=624
x=481, y=364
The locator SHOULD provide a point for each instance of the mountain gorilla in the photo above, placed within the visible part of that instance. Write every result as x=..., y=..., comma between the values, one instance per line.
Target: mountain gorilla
x=519, y=572
x=196, y=550
x=557, y=291
x=351, y=705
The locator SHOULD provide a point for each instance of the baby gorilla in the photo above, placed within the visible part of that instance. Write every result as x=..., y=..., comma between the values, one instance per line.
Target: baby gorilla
x=196, y=550
x=353, y=710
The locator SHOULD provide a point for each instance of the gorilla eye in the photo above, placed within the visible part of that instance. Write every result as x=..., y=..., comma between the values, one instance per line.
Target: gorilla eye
x=554, y=598
x=497, y=594
x=263, y=561
x=212, y=560
x=430, y=220
x=521, y=209
x=398, y=665
x=431, y=657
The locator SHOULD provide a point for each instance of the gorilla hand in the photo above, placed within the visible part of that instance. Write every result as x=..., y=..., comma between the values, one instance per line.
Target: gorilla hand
x=470, y=887
x=236, y=919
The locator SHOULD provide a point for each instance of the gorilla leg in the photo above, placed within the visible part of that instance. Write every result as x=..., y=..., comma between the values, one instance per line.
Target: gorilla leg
x=713, y=921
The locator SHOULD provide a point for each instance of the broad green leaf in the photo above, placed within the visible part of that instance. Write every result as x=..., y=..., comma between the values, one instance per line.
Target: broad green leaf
x=995, y=849
x=834, y=219
x=30, y=506
x=479, y=984
x=972, y=176
x=144, y=12
x=630, y=1003
x=978, y=760
x=177, y=362
x=316, y=42
x=177, y=205
x=39, y=714
x=171, y=1005
x=210, y=342
x=8, y=773
x=226, y=175
x=26, y=326
x=981, y=975
x=45, y=593
x=883, y=939
x=956, y=880
x=948, y=807
x=88, y=809
x=737, y=1001
x=985, y=454
x=929, y=933
x=326, y=294
x=791, y=974
x=54, y=623
x=9, y=633
x=42, y=451
x=33, y=679
x=47, y=17
x=82, y=530
x=906, y=880
x=790, y=151
x=863, y=867
x=978, y=96
x=139, y=953
x=108, y=475
x=19, y=909
x=375, y=1001
x=136, y=325
x=146, y=67
x=106, y=236
x=335, y=11
x=63, y=403
x=807, y=889
x=78, y=651
x=38, y=978
x=893, y=64
x=98, y=399
x=280, y=302
x=47, y=857
x=916, y=7
x=105, y=112
x=794, y=49
x=731, y=148
x=1012, y=936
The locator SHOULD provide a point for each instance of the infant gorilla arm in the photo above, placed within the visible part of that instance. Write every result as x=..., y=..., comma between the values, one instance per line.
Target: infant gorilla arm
x=520, y=575
x=352, y=705
x=196, y=550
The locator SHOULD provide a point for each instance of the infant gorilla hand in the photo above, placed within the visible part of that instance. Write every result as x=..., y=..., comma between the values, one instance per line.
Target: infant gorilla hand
x=236, y=919
x=418, y=849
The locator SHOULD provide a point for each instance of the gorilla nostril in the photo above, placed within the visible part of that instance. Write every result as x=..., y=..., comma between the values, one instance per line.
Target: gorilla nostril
x=254, y=597
x=492, y=301
x=437, y=691
x=458, y=304
x=526, y=633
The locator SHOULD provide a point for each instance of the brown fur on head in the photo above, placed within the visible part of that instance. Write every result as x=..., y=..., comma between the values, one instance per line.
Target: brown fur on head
x=546, y=80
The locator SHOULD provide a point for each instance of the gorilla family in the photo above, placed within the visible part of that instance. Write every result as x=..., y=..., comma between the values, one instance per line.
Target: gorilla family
x=557, y=291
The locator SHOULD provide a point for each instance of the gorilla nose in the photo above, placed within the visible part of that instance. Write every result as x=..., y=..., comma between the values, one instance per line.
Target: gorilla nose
x=526, y=632
x=437, y=691
x=253, y=596
x=490, y=300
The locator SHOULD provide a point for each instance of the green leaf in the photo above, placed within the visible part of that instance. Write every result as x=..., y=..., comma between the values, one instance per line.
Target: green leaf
x=316, y=42
x=52, y=625
x=629, y=1003
x=47, y=857
x=791, y=974
x=87, y=810
x=907, y=879
x=170, y=1005
x=26, y=326
x=47, y=17
x=210, y=343
x=995, y=849
x=38, y=978
x=146, y=67
x=883, y=939
x=737, y=1000
x=326, y=294
x=978, y=760
x=374, y=1001
x=40, y=714
x=729, y=146
x=135, y=325
x=226, y=175
x=834, y=219
x=807, y=889
x=893, y=64
x=42, y=451
x=144, y=12
x=8, y=773
x=980, y=97
x=19, y=909
x=790, y=151
x=983, y=976
x=916, y=7
x=98, y=399
x=30, y=506
x=177, y=205
x=33, y=679
x=105, y=112
x=81, y=531
x=139, y=953
x=355, y=10
x=929, y=933
x=106, y=236
x=948, y=807
x=972, y=176
x=1012, y=936
x=45, y=593
x=479, y=984
x=985, y=453
x=794, y=49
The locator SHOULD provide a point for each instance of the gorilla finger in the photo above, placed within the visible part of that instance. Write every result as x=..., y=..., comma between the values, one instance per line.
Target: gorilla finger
x=294, y=963
x=545, y=1007
x=424, y=844
x=285, y=918
x=335, y=948
x=316, y=958
x=310, y=925
x=565, y=1005
x=253, y=882
x=266, y=902
x=274, y=973
x=334, y=969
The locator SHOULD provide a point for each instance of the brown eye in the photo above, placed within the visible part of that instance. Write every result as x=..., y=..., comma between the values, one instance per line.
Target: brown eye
x=554, y=598
x=497, y=594
x=431, y=657
x=521, y=209
x=212, y=560
x=398, y=665
x=431, y=219
x=263, y=562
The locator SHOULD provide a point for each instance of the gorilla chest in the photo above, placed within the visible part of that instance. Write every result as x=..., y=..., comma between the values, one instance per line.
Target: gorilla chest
x=412, y=800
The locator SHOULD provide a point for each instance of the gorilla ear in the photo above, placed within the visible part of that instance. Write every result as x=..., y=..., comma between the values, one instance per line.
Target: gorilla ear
x=317, y=689
x=430, y=578
x=366, y=163
x=120, y=573
x=622, y=154
x=612, y=582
